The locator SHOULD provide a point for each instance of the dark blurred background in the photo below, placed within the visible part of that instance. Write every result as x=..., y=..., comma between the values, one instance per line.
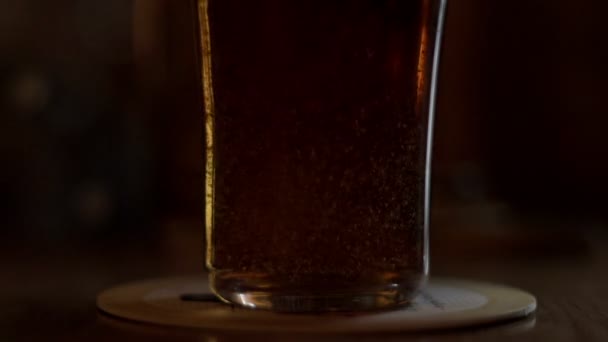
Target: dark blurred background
x=101, y=136
x=101, y=126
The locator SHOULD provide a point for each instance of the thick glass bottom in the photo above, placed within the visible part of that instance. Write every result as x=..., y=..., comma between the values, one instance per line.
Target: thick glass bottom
x=315, y=293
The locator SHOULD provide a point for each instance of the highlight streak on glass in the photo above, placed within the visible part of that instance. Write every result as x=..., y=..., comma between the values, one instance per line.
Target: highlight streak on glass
x=209, y=125
x=422, y=60
x=431, y=123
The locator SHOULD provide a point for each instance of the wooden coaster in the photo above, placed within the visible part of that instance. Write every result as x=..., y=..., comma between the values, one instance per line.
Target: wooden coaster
x=188, y=302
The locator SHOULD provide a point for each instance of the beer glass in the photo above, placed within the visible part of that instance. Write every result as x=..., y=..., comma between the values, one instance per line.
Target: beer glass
x=318, y=123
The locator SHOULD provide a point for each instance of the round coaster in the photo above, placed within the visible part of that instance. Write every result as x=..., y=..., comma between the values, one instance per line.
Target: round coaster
x=443, y=303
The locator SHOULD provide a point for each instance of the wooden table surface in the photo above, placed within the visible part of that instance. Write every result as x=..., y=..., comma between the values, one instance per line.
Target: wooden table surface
x=49, y=294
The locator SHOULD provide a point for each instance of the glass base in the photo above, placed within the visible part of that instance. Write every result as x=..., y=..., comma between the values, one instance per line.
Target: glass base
x=255, y=291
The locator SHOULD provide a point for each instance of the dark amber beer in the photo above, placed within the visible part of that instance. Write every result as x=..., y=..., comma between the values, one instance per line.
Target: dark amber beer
x=318, y=118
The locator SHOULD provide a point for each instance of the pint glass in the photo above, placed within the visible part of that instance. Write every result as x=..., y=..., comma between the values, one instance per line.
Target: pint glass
x=318, y=123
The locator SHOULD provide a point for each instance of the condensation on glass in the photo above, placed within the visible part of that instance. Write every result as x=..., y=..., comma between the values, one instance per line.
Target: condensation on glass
x=318, y=122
